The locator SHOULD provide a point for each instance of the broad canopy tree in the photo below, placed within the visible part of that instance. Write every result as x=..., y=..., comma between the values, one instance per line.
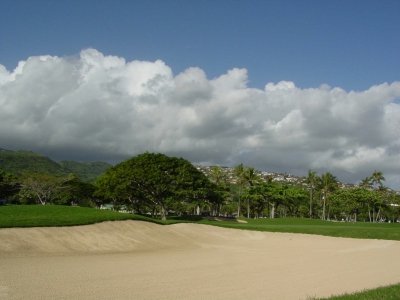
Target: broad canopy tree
x=156, y=180
x=39, y=186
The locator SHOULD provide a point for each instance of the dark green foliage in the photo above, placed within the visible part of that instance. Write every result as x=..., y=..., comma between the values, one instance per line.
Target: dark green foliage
x=86, y=171
x=73, y=191
x=156, y=182
x=8, y=185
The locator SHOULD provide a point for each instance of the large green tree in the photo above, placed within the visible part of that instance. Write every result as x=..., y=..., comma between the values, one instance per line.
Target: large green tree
x=377, y=201
x=156, y=180
x=246, y=179
x=348, y=203
x=273, y=193
x=39, y=187
x=74, y=191
x=219, y=178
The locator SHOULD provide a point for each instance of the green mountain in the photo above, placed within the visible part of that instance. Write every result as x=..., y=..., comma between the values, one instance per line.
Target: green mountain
x=19, y=162
x=86, y=171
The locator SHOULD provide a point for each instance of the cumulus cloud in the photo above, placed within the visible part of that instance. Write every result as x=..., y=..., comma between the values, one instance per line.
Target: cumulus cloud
x=103, y=107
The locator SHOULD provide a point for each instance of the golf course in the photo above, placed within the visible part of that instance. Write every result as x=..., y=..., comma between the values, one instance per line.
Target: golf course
x=60, y=252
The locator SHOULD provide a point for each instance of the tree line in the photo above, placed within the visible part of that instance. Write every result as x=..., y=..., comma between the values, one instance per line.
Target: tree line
x=158, y=185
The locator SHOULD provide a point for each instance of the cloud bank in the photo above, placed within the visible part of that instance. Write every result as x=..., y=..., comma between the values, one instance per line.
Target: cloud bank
x=102, y=107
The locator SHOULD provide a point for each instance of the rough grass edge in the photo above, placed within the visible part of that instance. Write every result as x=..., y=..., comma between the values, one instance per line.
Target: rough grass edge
x=389, y=292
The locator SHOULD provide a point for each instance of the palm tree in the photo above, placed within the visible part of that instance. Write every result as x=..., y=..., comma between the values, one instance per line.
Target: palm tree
x=366, y=183
x=217, y=175
x=374, y=184
x=240, y=180
x=376, y=179
x=328, y=185
x=251, y=178
x=312, y=181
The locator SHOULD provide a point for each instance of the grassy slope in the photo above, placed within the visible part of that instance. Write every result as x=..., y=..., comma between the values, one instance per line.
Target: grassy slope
x=53, y=215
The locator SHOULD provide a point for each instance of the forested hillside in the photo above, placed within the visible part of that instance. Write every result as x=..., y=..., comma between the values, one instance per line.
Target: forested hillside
x=18, y=162
x=22, y=162
x=86, y=171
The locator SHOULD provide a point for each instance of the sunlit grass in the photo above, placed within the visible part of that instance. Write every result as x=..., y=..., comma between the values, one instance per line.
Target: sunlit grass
x=391, y=292
x=56, y=215
x=297, y=225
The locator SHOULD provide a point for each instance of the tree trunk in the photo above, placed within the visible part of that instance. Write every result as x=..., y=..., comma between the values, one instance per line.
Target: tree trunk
x=378, y=214
x=272, y=211
x=323, y=208
x=248, y=208
x=238, y=213
x=369, y=214
x=311, y=197
x=41, y=201
x=329, y=212
x=163, y=213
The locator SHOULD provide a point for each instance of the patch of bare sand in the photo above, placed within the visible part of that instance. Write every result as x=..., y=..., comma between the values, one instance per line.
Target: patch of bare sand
x=138, y=260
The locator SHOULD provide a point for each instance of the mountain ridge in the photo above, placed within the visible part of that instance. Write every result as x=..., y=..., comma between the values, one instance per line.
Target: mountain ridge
x=21, y=161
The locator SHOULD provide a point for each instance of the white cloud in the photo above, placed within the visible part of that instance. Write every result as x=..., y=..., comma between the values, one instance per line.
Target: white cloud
x=96, y=106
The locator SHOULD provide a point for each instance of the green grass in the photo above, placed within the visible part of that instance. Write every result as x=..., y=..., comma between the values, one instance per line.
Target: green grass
x=391, y=292
x=55, y=215
x=337, y=229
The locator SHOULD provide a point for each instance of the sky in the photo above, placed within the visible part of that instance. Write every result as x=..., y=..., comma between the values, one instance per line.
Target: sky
x=283, y=86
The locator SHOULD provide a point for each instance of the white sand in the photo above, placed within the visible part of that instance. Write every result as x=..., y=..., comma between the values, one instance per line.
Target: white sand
x=138, y=260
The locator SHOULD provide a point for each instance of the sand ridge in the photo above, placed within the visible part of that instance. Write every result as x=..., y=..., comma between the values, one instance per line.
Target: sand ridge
x=140, y=260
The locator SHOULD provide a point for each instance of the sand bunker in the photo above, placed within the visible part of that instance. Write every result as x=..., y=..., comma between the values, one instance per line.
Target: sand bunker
x=138, y=260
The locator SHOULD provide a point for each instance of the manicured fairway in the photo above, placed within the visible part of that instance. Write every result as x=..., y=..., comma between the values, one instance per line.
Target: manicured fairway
x=338, y=229
x=56, y=215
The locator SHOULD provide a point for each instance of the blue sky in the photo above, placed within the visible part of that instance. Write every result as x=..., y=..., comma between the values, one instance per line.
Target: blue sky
x=282, y=86
x=351, y=44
